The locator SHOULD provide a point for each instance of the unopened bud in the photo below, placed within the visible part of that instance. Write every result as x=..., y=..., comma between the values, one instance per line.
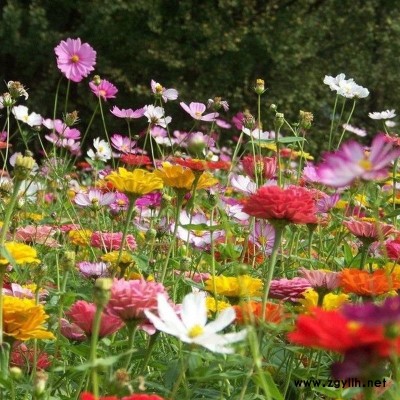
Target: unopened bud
x=7, y=100
x=151, y=234
x=23, y=166
x=68, y=260
x=279, y=120
x=102, y=291
x=260, y=86
x=15, y=373
x=96, y=80
x=40, y=382
x=71, y=118
x=273, y=107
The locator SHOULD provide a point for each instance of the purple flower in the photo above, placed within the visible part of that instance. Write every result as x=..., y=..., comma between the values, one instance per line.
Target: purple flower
x=372, y=314
x=150, y=200
x=288, y=289
x=74, y=59
x=196, y=110
x=104, y=89
x=341, y=168
x=128, y=113
x=93, y=270
x=120, y=203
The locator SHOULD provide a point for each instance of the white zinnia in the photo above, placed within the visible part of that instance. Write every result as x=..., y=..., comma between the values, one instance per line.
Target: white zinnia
x=388, y=114
x=191, y=325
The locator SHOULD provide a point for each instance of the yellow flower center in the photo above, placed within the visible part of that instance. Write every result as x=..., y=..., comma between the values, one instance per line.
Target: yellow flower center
x=102, y=93
x=366, y=164
x=198, y=114
x=195, y=331
x=159, y=88
x=353, y=326
x=75, y=58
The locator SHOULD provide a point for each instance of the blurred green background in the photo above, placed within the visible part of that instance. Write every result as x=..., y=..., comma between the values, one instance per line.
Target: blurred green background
x=211, y=48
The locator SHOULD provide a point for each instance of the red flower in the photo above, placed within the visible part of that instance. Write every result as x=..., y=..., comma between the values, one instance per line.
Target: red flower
x=22, y=356
x=292, y=205
x=330, y=330
x=251, y=312
x=90, y=396
x=201, y=165
x=265, y=165
x=135, y=160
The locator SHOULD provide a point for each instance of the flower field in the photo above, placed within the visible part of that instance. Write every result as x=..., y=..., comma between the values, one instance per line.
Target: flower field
x=163, y=262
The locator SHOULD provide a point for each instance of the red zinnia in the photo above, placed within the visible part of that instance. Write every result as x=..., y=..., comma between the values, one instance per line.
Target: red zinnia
x=292, y=205
x=330, y=330
x=201, y=165
x=251, y=312
x=135, y=160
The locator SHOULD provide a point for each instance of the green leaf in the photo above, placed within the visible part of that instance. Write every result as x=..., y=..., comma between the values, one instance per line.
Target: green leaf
x=274, y=392
x=291, y=139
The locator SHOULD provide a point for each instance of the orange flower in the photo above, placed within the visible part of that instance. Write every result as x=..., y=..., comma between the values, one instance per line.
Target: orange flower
x=251, y=312
x=364, y=283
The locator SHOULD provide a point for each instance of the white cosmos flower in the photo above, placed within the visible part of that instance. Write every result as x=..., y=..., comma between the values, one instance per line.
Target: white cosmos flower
x=155, y=116
x=388, y=114
x=103, y=150
x=191, y=324
x=353, y=129
x=21, y=113
x=333, y=82
x=350, y=89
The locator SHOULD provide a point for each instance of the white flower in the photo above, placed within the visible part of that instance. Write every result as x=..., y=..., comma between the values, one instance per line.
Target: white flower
x=155, y=116
x=332, y=82
x=355, y=130
x=21, y=113
x=191, y=325
x=388, y=114
x=390, y=124
x=243, y=184
x=259, y=134
x=350, y=89
x=103, y=150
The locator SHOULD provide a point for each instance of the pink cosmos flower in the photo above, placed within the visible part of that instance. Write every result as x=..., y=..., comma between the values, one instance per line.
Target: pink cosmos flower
x=74, y=59
x=151, y=200
x=263, y=236
x=122, y=143
x=94, y=198
x=128, y=113
x=288, y=289
x=165, y=94
x=120, y=203
x=16, y=290
x=196, y=110
x=130, y=299
x=105, y=89
x=93, y=270
x=352, y=162
x=111, y=241
x=82, y=313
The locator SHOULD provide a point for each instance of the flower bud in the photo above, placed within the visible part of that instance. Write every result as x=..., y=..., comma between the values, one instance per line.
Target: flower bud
x=102, y=291
x=273, y=107
x=15, y=373
x=17, y=89
x=23, y=166
x=248, y=120
x=305, y=119
x=279, y=120
x=151, y=234
x=40, y=382
x=7, y=100
x=260, y=87
x=96, y=80
x=68, y=260
x=71, y=118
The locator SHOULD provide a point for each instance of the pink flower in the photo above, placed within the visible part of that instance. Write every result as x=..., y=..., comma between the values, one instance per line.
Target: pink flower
x=196, y=110
x=128, y=113
x=74, y=59
x=82, y=313
x=320, y=279
x=165, y=94
x=93, y=270
x=105, y=89
x=94, y=198
x=265, y=166
x=111, y=241
x=122, y=143
x=369, y=231
x=40, y=234
x=120, y=203
x=351, y=162
x=129, y=299
x=288, y=289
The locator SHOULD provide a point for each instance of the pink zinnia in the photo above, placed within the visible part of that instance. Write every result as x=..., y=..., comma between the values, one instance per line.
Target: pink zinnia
x=352, y=162
x=196, y=110
x=288, y=289
x=82, y=313
x=128, y=113
x=104, y=89
x=320, y=279
x=40, y=234
x=111, y=241
x=292, y=205
x=74, y=59
x=129, y=299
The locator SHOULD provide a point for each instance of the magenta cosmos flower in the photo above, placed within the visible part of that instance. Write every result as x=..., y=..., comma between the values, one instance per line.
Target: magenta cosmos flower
x=130, y=299
x=128, y=113
x=196, y=110
x=104, y=89
x=353, y=162
x=75, y=59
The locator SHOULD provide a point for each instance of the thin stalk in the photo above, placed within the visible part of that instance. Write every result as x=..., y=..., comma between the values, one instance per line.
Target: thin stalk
x=132, y=329
x=332, y=123
x=348, y=120
x=93, y=350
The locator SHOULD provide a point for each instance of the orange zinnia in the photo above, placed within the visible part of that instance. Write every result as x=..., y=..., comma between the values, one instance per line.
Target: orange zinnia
x=251, y=312
x=364, y=283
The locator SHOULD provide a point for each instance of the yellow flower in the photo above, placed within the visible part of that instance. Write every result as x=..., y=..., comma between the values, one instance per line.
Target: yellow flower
x=215, y=305
x=33, y=216
x=176, y=176
x=23, y=319
x=302, y=154
x=341, y=204
x=241, y=286
x=136, y=183
x=21, y=253
x=80, y=237
x=360, y=200
x=112, y=257
x=269, y=146
x=206, y=180
x=330, y=302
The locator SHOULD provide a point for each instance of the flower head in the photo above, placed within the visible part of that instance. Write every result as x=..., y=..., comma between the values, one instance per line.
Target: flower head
x=155, y=116
x=20, y=253
x=176, y=176
x=320, y=279
x=292, y=205
x=93, y=270
x=103, y=150
x=388, y=114
x=191, y=325
x=250, y=312
x=94, y=198
x=75, y=59
x=23, y=319
x=262, y=166
x=196, y=110
x=110, y=241
x=136, y=183
x=165, y=94
x=288, y=289
x=128, y=113
x=104, y=89
x=351, y=161
x=234, y=286
x=367, y=230
x=21, y=114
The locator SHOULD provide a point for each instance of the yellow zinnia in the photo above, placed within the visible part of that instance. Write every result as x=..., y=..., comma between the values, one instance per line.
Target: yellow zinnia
x=23, y=319
x=206, y=180
x=232, y=286
x=136, y=183
x=215, y=305
x=21, y=253
x=113, y=256
x=80, y=237
x=330, y=302
x=176, y=176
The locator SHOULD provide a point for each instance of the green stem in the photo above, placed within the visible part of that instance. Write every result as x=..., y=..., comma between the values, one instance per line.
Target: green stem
x=66, y=97
x=348, y=120
x=332, y=123
x=93, y=350
x=132, y=328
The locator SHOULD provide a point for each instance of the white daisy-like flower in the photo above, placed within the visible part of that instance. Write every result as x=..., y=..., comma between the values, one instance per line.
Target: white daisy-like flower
x=353, y=129
x=350, y=89
x=155, y=116
x=388, y=114
x=333, y=82
x=103, y=150
x=191, y=324
x=21, y=113
x=390, y=124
